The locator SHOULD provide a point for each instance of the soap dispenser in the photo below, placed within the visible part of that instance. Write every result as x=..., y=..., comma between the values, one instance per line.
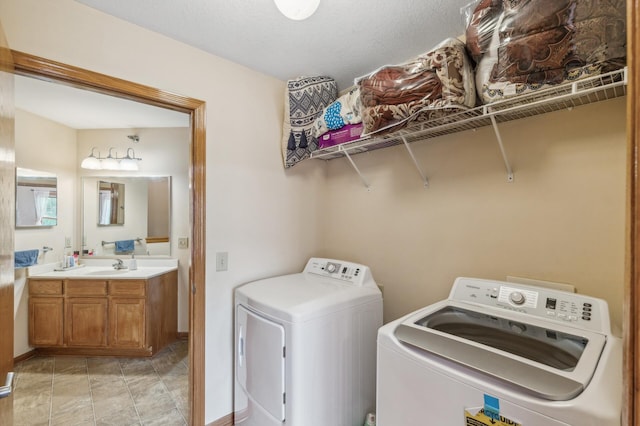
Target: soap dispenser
x=133, y=264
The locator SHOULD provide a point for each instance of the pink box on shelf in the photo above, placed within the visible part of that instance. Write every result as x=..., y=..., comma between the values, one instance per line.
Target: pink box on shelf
x=349, y=132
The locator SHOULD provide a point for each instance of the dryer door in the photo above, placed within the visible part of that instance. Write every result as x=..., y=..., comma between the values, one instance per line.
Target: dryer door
x=260, y=364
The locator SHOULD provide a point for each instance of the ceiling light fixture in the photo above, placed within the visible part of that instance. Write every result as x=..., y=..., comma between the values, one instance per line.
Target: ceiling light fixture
x=297, y=9
x=111, y=162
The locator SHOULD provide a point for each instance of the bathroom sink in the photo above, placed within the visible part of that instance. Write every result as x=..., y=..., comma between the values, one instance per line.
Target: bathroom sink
x=108, y=272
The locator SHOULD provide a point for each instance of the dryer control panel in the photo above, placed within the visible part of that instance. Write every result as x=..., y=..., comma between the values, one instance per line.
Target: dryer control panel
x=348, y=272
x=583, y=311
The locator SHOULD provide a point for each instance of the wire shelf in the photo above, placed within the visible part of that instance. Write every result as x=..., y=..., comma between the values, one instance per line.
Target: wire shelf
x=563, y=96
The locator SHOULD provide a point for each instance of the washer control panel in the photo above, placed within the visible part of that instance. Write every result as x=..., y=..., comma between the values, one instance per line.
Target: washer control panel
x=348, y=272
x=583, y=311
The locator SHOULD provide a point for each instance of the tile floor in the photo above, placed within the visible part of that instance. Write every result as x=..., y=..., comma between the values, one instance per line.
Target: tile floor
x=101, y=391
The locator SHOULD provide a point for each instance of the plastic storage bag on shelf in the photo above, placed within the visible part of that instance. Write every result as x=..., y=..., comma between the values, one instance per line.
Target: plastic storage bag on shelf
x=525, y=45
x=343, y=111
x=428, y=86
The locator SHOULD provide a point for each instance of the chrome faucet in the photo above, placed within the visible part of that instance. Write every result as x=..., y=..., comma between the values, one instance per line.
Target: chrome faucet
x=119, y=265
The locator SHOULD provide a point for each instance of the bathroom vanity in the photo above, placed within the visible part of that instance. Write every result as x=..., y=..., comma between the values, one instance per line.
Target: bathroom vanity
x=94, y=311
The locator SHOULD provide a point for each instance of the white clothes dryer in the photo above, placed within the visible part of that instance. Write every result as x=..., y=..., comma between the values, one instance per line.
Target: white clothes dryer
x=305, y=347
x=503, y=354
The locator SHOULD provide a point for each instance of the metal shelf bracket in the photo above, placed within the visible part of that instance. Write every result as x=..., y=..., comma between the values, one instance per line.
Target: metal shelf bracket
x=362, y=178
x=425, y=181
x=494, y=124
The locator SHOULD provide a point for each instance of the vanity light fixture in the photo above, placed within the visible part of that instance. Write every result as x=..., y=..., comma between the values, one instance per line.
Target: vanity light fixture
x=297, y=9
x=130, y=162
x=112, y=161
x=91, y=162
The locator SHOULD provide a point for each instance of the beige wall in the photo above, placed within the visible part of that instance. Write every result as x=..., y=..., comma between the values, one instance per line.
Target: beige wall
x=55, y=146
x=562, y=219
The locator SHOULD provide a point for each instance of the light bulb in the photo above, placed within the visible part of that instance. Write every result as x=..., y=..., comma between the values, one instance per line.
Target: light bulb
x=297, y=9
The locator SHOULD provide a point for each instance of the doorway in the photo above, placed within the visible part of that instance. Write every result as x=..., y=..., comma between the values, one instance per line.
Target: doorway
x=44, y=69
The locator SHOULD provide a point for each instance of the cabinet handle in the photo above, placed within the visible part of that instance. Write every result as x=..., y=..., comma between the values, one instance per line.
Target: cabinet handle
x=240, y=348
x=6, y=390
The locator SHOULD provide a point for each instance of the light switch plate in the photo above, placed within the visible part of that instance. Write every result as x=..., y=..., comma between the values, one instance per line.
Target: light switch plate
x=183, y=242
x=222, y=261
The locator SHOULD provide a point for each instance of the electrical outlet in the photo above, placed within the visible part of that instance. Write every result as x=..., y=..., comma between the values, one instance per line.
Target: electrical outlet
x=67, y=242
x=183, y=242
x=222, y=261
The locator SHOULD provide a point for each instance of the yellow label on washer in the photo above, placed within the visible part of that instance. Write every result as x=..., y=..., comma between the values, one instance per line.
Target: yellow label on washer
x=481, y=419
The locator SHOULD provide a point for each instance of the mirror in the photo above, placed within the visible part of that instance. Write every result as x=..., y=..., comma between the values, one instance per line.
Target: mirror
x=146, y=219
x=36, y=198
x=110, y=203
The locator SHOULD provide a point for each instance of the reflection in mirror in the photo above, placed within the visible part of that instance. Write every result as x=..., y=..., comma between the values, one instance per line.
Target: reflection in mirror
x=36, y=198
x=110, y=203
x=146, y=218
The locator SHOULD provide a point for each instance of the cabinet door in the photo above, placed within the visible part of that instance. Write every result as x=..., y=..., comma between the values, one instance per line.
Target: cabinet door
x=86, y=321
x=126, y=323
x=45, y=321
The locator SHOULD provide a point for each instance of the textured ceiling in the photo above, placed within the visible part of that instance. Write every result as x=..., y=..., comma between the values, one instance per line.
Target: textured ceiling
x=343, y=39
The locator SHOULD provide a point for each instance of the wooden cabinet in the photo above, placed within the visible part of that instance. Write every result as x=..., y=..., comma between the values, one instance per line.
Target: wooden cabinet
x=85, y=309
x=85, y=322
x=46, y=310
x=126, y=323
x=129, y=317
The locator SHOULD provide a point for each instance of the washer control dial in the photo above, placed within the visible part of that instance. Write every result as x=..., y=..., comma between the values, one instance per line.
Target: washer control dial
x=332, y=267
x=517, y=298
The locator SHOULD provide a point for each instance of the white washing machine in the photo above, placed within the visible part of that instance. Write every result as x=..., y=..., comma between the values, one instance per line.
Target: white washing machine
x=306, y=347
x=501, y=352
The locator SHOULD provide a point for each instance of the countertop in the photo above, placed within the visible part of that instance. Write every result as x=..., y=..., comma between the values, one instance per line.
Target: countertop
x=102, y=269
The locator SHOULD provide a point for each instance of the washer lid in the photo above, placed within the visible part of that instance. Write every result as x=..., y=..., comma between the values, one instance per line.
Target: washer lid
x=551, y=363
x=301, y=296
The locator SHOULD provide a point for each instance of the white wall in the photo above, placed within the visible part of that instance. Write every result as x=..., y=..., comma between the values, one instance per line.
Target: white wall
x=264, y=217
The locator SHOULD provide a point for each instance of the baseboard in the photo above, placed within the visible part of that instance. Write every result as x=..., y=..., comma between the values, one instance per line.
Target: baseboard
x=223, y=421
x=182, y=335
x=25, y=356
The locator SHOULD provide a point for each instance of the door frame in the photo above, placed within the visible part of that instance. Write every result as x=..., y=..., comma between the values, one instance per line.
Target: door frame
x=7, y=222
x=631, y=316
x=48, y=70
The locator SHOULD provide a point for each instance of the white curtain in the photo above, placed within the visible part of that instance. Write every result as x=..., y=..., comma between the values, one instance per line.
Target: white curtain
x=40, y=197
x=105, y=208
